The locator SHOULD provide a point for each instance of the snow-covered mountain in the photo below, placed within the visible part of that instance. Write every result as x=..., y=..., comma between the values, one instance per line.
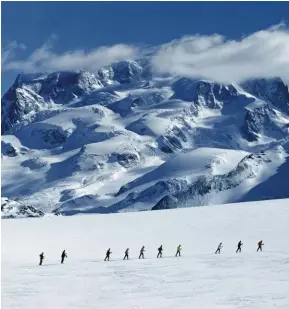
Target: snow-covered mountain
x=123, y=139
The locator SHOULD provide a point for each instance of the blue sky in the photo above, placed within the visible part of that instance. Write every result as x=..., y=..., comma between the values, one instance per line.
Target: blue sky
x=88, y=25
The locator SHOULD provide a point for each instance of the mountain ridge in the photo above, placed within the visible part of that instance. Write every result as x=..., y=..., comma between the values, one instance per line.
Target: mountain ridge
x=74, y=142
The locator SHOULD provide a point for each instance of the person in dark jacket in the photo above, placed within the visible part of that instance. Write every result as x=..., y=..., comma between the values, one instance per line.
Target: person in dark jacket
x=63, y=256
x=260, y=244
x=108, y=252
x=141, y=253
x=179, y=249
x=240, y=244
x=41, y=256
x=160, y=251
x=219, y=248
x=126, y=254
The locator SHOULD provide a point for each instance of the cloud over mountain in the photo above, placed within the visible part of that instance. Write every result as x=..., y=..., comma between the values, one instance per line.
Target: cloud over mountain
x=45, y=59
x=260, y=54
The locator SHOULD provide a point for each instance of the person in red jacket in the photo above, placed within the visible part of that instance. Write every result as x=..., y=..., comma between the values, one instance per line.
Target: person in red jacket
x=260, y=244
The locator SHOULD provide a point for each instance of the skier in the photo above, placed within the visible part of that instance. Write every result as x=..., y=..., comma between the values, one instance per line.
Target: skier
x=142, y=250
x=240, y=244
x=178, y=250
x=160, y=250
x=260, y=244
x=126, y=254
x=108, y=252
x=63, y=256
x=219, y=248
x=41, y=258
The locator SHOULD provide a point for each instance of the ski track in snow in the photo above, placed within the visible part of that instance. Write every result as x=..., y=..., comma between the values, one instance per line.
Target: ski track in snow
x=199, y=279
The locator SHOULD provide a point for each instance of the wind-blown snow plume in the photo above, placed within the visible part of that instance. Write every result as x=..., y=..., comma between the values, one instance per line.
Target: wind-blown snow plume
x=262, y=54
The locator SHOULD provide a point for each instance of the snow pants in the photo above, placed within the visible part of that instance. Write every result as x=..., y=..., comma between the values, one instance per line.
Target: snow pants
x=239, y=250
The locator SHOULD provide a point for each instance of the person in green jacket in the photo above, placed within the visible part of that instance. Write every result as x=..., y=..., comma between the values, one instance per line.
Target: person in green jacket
x=179, y=249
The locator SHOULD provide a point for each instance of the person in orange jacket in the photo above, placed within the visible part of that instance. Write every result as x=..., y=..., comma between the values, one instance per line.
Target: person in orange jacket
x=260, y=244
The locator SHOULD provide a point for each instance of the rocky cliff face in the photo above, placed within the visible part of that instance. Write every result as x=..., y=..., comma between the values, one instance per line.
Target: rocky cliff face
x=12, y=209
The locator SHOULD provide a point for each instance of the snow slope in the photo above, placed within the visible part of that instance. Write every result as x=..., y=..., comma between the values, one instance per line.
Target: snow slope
x=123, y=139
x=272, y=187
x=198, y=279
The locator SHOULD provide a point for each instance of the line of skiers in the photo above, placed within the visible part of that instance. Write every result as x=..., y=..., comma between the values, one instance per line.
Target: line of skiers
x=160, y=252
x=141, y=253
x=63, y=256
x=239, y=246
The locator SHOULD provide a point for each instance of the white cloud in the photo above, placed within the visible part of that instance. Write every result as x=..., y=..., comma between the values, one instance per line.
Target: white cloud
x=45, y=59
x=261, y=54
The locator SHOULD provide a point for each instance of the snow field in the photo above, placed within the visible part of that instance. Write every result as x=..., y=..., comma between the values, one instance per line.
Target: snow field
x=198, y=279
